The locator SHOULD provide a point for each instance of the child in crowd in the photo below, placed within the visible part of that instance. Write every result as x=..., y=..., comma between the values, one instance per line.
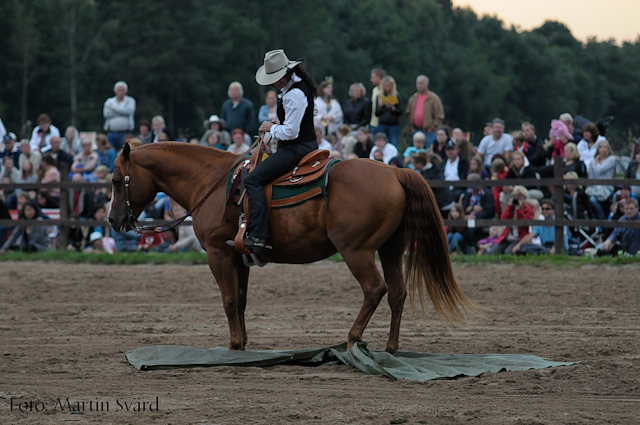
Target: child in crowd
x=457, y=236
x=499, y=171
x=476, y=167
x=149, y=241
x=99, y=244
x=491, y=240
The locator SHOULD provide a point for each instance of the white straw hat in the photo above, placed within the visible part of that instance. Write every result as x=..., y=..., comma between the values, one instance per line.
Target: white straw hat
x=276, y=65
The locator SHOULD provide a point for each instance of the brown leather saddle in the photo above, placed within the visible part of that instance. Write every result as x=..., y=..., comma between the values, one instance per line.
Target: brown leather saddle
x=309, y=169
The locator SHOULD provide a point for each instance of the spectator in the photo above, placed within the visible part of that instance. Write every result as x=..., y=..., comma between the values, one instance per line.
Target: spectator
x=377, y=74
x=363, y=148
x=212, y=138
x=633, y=172
x=144, y=132
x=10, y=148
x=490, y=241
x=477, y=201
x=50, y=174
x=238, y=146
x=521, y=145
x=576, y=201
x=457, y=135
x=442, y=137
x=100, y=244
x=430, y=166
x=80, y=200
x=588, y=146
x=499, y=171
x=70, y=143
x=9, y=170
x=572, y=161
x=215, y=123
x=567, y=119
x=28, y=238
x=149, y=241
x=86, y=161
x=413, y=151
x=118, y=112
x=238, y=112
x=106, y=153
x=58, y=155
x=187, y=240
x=346, y=142
x=44, y=201
x=389, y=110
x=158, y=126
x=536, y=154
x=519, y=170
x=520, y=209
x=323, y=144
x=497, y=143
x=28, y=173
x=267, y=112
x=458, y=237
x=357, y=110
x=465, y=148
x=476, y=167
x=136, y=142
x=559, y=136
x=455, y=169
x=487, y=129
x=42, y=134
x=34, y=157
x=3, y=130
x=624, y=239
x=126, y=241
x=619, y=197
x=162, y=137
x=602, y=167
x=545, y=234
x=329, y=115
x=424, y=110
x=4, y=215
x=381, y=143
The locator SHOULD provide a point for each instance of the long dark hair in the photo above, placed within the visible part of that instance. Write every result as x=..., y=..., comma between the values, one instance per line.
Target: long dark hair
x=304, y=76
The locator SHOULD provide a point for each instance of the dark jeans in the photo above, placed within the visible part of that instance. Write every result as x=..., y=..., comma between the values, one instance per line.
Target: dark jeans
x=392, y=132
x=267, y=171
x=115, y=138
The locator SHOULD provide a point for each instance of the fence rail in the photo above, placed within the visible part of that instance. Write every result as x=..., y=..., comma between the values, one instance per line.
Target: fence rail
x=557, y=183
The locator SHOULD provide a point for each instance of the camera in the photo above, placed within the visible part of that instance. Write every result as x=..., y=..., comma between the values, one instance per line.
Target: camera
x=515, y=202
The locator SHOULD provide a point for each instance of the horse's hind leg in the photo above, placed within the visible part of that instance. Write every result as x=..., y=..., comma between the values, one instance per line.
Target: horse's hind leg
x=391, y=257
x=243, y=286
x=363, y=267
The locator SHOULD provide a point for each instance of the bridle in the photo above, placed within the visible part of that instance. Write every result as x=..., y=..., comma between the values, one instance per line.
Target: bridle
x=132, y=221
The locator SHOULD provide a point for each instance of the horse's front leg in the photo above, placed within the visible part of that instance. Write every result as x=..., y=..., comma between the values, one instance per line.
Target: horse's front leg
x=222, y=263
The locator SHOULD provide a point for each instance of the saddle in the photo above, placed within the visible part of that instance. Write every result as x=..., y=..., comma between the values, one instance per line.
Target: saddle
x=292, y=188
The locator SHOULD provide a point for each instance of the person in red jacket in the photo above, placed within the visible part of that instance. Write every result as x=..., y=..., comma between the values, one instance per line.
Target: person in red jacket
x=517, y=208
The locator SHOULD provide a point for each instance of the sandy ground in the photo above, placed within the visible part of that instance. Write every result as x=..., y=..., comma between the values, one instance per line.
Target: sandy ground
x=64, y=330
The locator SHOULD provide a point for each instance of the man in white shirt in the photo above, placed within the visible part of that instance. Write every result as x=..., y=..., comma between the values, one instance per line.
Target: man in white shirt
x=381, y=144
x=498, y=142
x=42, y=134
x=118, y=114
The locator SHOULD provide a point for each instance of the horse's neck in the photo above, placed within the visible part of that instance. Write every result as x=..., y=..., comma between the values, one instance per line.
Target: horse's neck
x=185, y=173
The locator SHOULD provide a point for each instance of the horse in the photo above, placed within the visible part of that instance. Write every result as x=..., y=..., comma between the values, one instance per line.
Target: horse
x=370, y=207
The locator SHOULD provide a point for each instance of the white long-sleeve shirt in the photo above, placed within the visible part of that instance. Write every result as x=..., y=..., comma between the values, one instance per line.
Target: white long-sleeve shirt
x=295, y=104
x=118, y=116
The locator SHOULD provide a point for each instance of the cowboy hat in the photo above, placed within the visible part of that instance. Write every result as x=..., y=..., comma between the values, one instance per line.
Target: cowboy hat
x=276, y=65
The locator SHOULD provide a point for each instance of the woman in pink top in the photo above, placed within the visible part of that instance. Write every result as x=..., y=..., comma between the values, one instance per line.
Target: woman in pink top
x=50, y=174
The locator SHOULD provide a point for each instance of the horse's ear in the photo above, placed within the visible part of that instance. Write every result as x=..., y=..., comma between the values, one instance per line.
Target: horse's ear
x=126, y=150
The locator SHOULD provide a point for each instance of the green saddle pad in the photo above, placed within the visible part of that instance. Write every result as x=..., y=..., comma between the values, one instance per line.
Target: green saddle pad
x=280, y=192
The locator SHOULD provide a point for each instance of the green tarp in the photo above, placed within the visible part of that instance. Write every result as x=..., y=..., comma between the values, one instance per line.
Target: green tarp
x=402, y=365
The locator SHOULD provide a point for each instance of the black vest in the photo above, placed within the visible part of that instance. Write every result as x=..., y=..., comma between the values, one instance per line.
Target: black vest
x=307, y=131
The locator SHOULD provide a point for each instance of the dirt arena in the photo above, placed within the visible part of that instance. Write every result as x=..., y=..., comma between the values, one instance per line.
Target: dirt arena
x=65, y=338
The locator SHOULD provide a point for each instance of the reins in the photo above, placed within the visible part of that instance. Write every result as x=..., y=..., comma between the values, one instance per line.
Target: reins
x=133, y=221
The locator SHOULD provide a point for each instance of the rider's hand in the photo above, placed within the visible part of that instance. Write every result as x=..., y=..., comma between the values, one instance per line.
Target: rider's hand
x=265, y=126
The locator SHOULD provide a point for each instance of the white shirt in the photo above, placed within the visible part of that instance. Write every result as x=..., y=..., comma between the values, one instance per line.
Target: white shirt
x=451, y=170
x=295, y=104
x=388, y=152
x=118, y=116
x=334, y=110
x=36, y=137
x=3, y=130
x=587, y=154
x=489, y=147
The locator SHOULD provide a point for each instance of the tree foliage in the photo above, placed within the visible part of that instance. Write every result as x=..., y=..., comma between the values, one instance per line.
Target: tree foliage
x=63, y=57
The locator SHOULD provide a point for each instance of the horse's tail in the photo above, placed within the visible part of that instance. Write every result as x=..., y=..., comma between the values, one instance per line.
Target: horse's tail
x=427, y=249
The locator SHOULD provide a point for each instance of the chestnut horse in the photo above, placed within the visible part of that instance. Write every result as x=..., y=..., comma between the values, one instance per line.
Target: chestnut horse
x=371, y=207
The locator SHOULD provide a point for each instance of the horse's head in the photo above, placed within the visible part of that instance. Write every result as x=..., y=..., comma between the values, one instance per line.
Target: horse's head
x=133, y=190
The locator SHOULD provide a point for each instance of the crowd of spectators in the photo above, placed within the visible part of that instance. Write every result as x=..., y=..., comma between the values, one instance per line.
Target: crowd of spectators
x=360, y=127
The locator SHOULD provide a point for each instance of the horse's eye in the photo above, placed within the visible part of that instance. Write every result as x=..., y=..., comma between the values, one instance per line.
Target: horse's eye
x=116, y=182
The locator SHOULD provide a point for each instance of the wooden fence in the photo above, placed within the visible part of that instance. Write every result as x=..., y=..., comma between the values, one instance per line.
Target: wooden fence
x=557, y=183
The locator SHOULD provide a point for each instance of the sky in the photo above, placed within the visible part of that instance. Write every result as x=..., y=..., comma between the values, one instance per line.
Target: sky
x=604, y=19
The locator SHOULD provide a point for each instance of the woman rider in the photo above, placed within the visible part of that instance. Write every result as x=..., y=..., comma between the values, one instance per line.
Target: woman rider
x=293, y=129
